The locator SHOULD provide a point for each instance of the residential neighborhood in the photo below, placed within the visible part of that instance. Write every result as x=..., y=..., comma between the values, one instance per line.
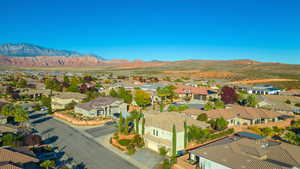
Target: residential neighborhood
x=162, y=124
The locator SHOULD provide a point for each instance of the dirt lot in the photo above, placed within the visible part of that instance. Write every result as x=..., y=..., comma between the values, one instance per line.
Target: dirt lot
x=261, y=81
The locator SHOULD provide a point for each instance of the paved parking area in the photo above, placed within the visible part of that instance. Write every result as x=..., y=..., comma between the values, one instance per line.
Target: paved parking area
x=101, y=131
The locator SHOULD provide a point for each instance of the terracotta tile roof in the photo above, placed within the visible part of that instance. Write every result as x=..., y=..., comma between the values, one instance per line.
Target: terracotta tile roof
x=236, y=111
x=70, y=95
x=98, y=103
x=165, y=120
x=182, y=89
x=252, y=154
x=9, y=166
x=10, y=155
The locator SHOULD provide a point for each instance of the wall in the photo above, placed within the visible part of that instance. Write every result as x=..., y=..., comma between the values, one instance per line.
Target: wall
x=208, y=164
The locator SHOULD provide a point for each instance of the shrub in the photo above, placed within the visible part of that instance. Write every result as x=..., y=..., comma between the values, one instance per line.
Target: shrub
x=288, y=101
x=202, y=117
x=124, y=142
x=166, y=164
x=163, y=151
x=131, y=149
x=297, y=104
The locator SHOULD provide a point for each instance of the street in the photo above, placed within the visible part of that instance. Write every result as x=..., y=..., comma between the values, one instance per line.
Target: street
x=83, y=149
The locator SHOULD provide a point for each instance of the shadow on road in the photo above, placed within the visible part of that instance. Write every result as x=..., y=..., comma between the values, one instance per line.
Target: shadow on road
x=35, y=116
x=41, y=120
x=80, y=166
x=50, y=140
x=47, y=131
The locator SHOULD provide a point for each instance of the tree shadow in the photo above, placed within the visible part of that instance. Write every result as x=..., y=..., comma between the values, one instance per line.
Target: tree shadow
x=35, y=116
x=50, y=140
x=80, y=166
x=47, y=131
x=41, y=120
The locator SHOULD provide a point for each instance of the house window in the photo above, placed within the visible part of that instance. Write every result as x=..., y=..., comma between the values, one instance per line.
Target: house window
x=156, y=133
x=153, y=132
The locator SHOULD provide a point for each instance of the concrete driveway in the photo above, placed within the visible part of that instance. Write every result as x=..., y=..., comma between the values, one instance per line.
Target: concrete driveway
x=83, y=149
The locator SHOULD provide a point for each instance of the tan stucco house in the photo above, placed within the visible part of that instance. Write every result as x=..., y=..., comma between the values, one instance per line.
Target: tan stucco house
x=60, y=101
x=158, y=129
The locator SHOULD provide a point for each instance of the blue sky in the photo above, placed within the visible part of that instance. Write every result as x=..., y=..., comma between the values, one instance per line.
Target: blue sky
x=264, y=30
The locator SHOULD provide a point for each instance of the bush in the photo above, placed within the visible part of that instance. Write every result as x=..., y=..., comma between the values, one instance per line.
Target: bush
x=163, y=151
x=131, y=149
x=288, y=101
x=124, y=142
x=202, y=117
x=297, y=104
x=166, y=164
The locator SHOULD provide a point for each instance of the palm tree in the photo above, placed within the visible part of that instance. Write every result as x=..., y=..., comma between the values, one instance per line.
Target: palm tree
x=7, y=110
x=48, y=164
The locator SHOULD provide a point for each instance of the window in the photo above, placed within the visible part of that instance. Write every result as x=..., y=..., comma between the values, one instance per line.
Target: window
x=153, y=132
x=156, y=133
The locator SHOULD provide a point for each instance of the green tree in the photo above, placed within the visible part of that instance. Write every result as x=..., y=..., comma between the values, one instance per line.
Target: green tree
x=20, y=114
x=143, y=126
x=48, y=164
x=8, y=139
x=219, y=104
x=21, y=83
x=121, y=121
x=198, y=134
x=163, y=151
x=174, y=143
x=7, y=110
x=252, y=101
x=126, y=126
x=288, y=101
x=185, y=134
x=113, y=93
x=221, y=124
x=142, y=98
x=208, y=106
x=202, y=117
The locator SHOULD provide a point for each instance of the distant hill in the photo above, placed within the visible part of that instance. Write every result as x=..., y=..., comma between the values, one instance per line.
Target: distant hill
x=30, y=50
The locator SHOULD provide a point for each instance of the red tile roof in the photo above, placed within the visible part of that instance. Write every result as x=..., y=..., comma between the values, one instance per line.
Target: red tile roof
x=182, y=89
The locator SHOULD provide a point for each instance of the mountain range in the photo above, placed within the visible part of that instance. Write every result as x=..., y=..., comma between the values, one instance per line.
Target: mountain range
x=30, y=50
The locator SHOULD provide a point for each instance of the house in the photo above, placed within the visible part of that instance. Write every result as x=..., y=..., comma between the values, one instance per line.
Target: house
x=102, y=106
x=159, y=129
x=17, y=159
x=59, y=101
x=246, y=153
x=200, y=94
x=278, y=103
x=238, y=115
x=260, y=90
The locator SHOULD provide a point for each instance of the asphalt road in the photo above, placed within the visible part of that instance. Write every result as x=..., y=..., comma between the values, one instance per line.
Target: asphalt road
x=101, y=131
x=78, y=146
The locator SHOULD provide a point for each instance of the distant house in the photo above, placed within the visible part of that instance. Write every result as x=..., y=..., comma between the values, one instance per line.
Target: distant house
x=17, y=158
x=60, y=101
x=201, y=94
x=245, y=153
x=278, y=103
x=261, y=90
x=238, y=115
x=102, y=106
x=159, y=126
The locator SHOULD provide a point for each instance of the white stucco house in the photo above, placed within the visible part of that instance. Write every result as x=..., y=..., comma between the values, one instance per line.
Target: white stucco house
x=102, y=106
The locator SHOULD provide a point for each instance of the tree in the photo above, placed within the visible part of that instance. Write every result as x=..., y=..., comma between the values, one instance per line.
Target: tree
x=202, y=117
x=48, y=164
x=252, y=101
x=208, y=106
x=8, y=139
x=174, y=151
x=197, y=134
x=219, y=104
x=113, y=93
x=185, y=134
x=7, y=110
x=21, y=83
x=143, y=126
x=32, y=140
x=288, y=101
x=126, y=126
x=121, y=121
x=221, y=124
x=228, y=95
x=142, y=98
x=20, y=114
